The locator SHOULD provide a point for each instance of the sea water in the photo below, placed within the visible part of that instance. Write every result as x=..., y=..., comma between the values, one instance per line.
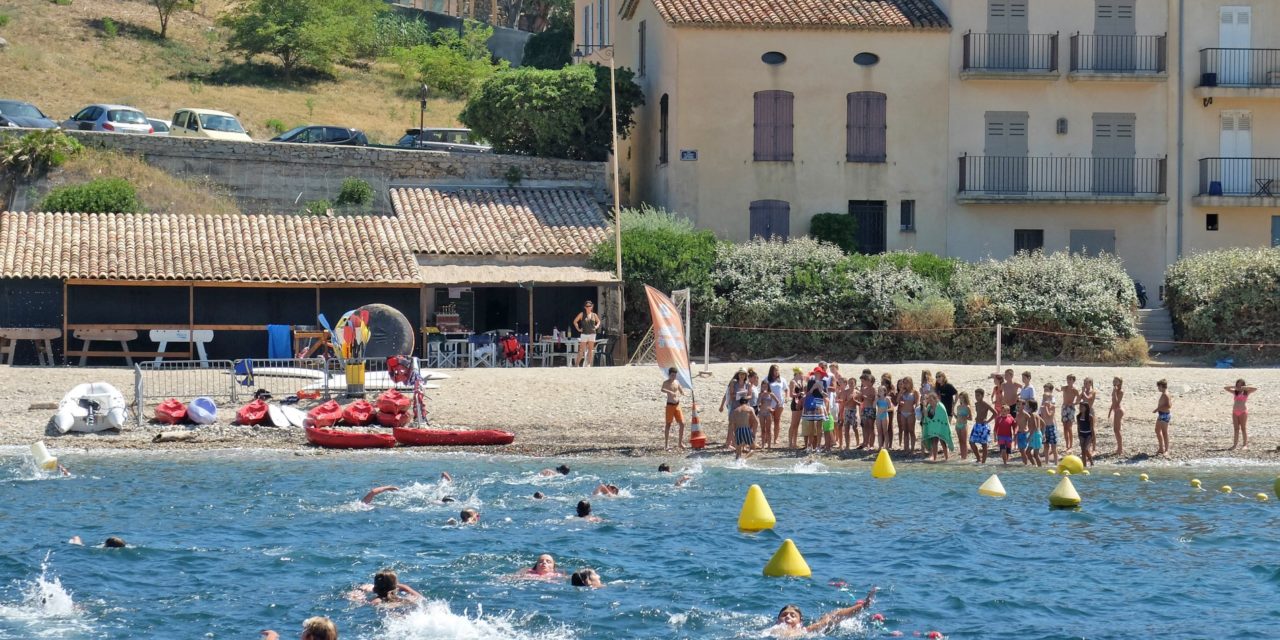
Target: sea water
x=223, y=545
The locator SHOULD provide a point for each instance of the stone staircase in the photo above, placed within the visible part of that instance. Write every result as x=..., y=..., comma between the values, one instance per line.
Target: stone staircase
x=1155, y=324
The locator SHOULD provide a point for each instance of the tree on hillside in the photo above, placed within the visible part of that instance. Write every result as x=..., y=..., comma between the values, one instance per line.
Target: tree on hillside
x=166, y=9
x=553, y=48
x=302, y=33
x=561, y=113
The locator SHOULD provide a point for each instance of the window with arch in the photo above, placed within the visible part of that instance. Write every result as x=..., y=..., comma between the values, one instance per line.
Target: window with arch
x=664, y=105
x=774, y=129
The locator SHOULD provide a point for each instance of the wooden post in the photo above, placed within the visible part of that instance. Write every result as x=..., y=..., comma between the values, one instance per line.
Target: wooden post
x=191, y=320
x=422, y=318
x=493, y=13
x=65, y=339
x=531, y=315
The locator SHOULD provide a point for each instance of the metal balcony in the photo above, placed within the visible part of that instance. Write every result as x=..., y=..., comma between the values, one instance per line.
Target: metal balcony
x=1016, y=55
x=1239, y=181
x=1118, y=56
x=999, y=179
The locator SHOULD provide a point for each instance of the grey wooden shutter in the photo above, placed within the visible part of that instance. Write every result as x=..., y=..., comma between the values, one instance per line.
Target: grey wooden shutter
x=865, y=127
x=770, y=218
x=642, y=45
x=774, y=128
x=663, y=114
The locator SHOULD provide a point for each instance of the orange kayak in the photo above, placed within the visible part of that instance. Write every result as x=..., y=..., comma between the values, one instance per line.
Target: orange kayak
x=392, y=401
x=171, y=411
x=326, y=414
x=446, y=438
x=394, y=419
x=338, y=439
x=358, y=413
x=253, y=413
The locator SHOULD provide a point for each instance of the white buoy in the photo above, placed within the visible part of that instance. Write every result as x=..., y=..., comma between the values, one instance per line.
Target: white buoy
x=992, y=487
x=44, y=460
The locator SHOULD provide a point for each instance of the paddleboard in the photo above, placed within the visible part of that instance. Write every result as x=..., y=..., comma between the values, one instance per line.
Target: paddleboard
x=277, y=416
x=295, y=415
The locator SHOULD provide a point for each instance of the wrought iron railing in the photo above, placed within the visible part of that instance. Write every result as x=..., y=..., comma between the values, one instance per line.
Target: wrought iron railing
x=1240, y=176
x=1062, y=176
x=1011, y=52
x=1119, y=54
x=1240, y=68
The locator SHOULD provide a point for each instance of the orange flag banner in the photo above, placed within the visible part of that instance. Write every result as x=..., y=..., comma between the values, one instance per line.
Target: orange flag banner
x=668, y=336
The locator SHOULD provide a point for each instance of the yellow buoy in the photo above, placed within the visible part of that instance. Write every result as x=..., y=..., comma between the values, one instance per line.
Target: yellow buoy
x=1116, y=474
x=1143, y=478
x=1275, y=488
x=1071, y=463
x=1085, y=472
x=1052, y=472
x=787, y=561
x=1064, y=495
x=1065, y=472
x=756, y=514
x=883, y=468
x=1262, y=497
x=992, y=487
x=1195, y=483
x=1226, y=488
x=44, y=460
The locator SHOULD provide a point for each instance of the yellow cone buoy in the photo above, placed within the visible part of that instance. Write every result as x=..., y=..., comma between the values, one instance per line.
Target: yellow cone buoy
x=44, y=459
x=1064, y=495
x=1195, y=483
x=883, y=468
x=787, y=561
x=1262, y=497
x=992, y=487
x=1226, y=488
x=1071, y=463
x=1052, y=472
x=1143, y=478
x=756, y=514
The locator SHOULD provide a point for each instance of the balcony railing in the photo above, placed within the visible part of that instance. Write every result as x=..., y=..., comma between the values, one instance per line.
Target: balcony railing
x=1011, y=52
x=1065, y=177
x=1119, y=54
x=1240, y=177
x=1240, y=68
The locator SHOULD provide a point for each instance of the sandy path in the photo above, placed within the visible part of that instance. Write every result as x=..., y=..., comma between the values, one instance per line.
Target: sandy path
x=617, y=411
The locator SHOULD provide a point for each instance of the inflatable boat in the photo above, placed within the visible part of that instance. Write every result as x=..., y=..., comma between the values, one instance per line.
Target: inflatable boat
x=339, y=439
x=447, y=438
x=253, y=413
x=90, y=407
x=202, y=410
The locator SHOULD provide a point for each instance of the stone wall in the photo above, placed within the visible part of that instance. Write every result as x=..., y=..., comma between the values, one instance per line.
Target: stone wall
x=268, y=177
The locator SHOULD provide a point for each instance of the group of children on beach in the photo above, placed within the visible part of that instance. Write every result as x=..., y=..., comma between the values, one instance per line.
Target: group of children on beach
x=829, y=411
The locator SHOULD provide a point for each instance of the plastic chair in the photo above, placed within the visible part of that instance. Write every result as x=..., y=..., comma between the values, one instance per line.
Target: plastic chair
x=484, y=351
x=603, y=354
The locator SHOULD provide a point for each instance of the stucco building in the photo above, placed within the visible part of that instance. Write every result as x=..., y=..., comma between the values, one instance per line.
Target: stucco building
x=966, y=128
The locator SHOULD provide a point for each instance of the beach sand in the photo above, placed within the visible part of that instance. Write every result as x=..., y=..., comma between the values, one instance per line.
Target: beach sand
x=617, y=411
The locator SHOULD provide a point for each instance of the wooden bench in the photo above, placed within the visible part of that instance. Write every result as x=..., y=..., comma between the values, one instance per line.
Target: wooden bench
x=9, y=337
x=123, y=336
x=199, y=337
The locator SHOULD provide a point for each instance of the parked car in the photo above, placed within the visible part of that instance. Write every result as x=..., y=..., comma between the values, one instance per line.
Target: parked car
x=442, y=140
x=160, y=126
x=15, y=113
x=113, y=118
x=323, y=134
x=205, y=123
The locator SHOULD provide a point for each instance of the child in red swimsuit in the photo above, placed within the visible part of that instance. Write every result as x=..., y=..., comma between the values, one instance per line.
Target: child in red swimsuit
x=1005, y=424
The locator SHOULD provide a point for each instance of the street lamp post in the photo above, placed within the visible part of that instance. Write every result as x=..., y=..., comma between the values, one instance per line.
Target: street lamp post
x=422, y=109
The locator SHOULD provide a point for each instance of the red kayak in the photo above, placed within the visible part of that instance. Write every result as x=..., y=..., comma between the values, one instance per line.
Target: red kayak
x=442, y=438
x=358, y=413
x=325, y=415
x=171, y=411
x=390, y=420
x=392, y=401
x=253, y=413
x=338, y=439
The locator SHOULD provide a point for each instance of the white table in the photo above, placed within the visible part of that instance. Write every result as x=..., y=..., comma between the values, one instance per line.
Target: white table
x=570, y=351
x=200, y=337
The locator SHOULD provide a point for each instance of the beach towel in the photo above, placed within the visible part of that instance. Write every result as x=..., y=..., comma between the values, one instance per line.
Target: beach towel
x=938, y=427
x=279, y=341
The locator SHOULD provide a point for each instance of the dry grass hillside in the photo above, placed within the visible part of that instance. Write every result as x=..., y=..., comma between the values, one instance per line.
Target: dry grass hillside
x=61, y=58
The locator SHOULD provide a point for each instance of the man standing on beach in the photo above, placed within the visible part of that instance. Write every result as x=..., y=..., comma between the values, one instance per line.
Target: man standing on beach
x=674, y=391
x=744, y=424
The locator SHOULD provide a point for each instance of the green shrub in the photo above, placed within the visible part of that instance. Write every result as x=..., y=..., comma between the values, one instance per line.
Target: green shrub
x=36, y=152
x=840, y=229
x=664, y=251
x=316, y=208
x=62, y=3
x=393, y=31
x=1232, y=295
x=927, y=265
x=1059, y=292
x=109, y=28
x=4, y=19
x=553, y=48
x=276, y=126
x=453, y=64
x=354, y=193
x=104, y=195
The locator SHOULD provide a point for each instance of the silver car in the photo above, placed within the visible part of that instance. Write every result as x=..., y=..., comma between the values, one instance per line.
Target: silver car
x=112, y=118
x=439, y=139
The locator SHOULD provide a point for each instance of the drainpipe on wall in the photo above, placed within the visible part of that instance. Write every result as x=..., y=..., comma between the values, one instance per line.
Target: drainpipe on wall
x=1182, y=63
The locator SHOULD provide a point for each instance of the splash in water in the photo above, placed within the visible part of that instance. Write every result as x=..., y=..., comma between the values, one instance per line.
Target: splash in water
x=46, y=606
x=433, y=619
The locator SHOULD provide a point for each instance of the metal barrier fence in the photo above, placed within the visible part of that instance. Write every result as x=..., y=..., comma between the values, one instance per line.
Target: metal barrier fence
x=281, y=377
x=182, y=379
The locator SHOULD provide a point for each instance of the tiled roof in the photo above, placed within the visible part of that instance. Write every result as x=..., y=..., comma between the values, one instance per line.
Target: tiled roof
x=829, y=14
x=230, y=247
x=515, y=222
x=512, y=274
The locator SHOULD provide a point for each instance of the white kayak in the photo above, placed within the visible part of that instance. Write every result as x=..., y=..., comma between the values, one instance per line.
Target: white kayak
x=91, y=407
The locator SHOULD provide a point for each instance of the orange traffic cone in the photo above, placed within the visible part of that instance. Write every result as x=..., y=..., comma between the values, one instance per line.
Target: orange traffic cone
x=696, y=439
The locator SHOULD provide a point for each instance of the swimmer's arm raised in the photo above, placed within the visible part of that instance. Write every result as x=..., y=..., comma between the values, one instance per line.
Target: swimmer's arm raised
x=830, y=619
x=368, y=497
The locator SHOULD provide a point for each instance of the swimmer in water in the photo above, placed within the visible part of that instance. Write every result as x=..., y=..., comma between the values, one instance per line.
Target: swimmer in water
x=606, y=490
x=445, y=477
x=562, y=470
x=791, y=624
x=387, y=590
x=586, y=578
x=683, y=480
x=317, y=628
x=544, y=568
x=538, y=495
x=373, y=493
x=664, y=468
x=584, y=512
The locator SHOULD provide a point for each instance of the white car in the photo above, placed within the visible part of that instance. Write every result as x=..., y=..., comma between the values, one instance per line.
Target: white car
x=205, y=123
x=160, y=126
x=112, y=118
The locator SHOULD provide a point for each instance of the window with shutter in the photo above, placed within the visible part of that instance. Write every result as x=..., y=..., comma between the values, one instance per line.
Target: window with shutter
x=770, y=219
x=663, y=106
x=773, y=126
x=1027, y=240
x=640, y=39
x=865, y=127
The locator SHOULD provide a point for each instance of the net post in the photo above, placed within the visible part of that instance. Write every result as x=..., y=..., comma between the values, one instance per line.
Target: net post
x=999, y=332
x=706, y=348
